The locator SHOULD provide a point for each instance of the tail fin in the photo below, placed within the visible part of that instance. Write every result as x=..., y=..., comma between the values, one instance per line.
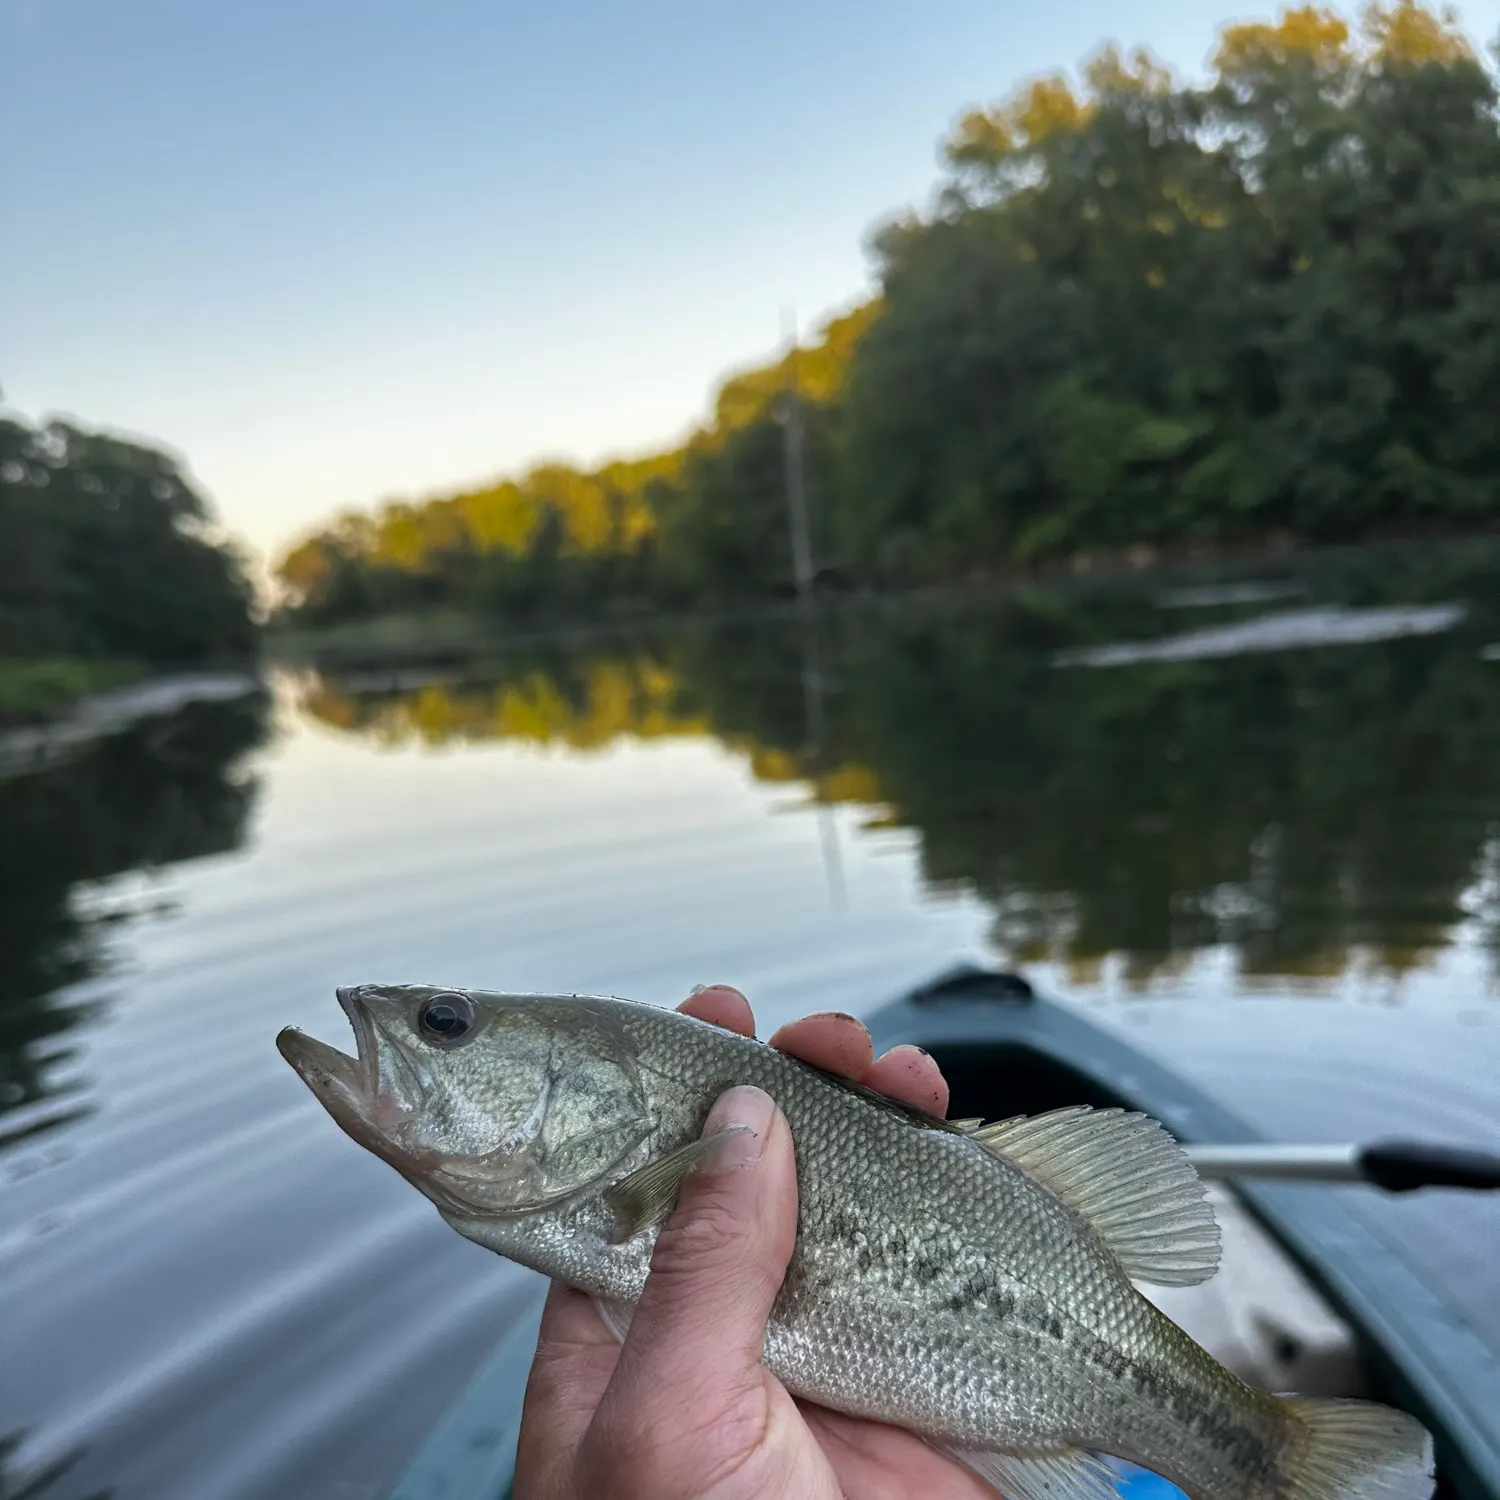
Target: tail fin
x=1354, y=1450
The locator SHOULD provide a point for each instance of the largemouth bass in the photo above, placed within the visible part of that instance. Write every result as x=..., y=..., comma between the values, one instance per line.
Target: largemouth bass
x=972, y=1283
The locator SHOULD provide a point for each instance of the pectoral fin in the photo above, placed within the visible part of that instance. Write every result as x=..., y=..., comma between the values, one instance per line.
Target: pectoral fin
x=645, y=1198
x=615, y=1315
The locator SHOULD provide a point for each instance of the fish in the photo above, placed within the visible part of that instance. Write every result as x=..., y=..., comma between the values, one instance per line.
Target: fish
x=974, y=1283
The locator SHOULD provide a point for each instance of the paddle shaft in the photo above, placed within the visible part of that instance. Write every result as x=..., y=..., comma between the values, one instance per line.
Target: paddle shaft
x=1395, y=1166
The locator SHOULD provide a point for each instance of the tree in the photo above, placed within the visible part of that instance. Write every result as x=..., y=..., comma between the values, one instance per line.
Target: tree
x=105, y=552
x=1142, y=313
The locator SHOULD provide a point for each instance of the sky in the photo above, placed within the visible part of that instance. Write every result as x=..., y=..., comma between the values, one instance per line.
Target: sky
x=338, y=251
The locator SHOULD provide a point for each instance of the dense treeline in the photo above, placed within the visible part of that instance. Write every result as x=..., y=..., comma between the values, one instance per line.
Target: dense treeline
x=104, y=556
x=701, y=523
x=1141, y=313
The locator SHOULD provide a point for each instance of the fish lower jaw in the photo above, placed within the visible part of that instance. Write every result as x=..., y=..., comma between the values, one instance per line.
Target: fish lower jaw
x=344, y=1087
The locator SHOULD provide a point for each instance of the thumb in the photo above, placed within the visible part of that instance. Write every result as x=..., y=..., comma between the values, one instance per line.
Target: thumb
x=699, y=1326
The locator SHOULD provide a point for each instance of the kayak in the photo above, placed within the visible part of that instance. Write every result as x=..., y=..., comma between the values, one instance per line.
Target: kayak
x=1308, y=1298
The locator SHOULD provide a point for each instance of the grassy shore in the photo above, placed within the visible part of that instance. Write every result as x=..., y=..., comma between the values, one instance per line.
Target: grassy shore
x=33, y=689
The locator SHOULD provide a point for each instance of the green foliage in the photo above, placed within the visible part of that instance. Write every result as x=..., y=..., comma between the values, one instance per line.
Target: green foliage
x=103, y=555
x=1163, y=315
x=1142, y=313
x=706, y=521
x=37, y=687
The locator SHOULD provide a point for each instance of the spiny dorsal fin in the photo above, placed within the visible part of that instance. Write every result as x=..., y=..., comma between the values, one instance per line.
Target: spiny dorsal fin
x=1127, y=1177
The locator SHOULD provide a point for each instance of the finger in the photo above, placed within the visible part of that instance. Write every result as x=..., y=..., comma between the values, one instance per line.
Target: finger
x=571, y=1326
x=721, y=1005
x=696, y=1338
x=877, y=1462
x=575, y=1357
x=830, y=1040
x=907, y=1073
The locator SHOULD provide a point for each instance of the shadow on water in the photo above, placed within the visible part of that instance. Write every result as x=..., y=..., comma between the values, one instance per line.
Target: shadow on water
x=167, y=789
x=1320, y=809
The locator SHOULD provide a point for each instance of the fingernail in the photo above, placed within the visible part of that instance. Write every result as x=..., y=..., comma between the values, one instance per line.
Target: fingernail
x=697, y=989
x=747, y=1112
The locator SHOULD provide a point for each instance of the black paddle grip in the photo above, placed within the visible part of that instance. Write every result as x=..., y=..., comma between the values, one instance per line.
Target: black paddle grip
x=1401, y=1166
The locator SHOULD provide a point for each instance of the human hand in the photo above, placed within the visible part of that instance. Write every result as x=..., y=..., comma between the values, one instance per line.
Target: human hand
x=684, y=1409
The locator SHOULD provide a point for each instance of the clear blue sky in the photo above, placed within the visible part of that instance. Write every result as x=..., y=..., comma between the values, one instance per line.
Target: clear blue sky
x=340, y=250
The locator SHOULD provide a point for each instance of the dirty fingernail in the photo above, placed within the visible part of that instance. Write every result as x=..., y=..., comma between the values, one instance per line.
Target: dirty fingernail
x=746, y=1111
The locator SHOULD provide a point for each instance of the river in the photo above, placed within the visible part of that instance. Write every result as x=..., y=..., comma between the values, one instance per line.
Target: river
x=1253, y=821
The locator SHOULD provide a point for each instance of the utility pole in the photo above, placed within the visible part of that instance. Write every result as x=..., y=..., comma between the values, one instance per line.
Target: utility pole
x=796, y=489
x=813, y=686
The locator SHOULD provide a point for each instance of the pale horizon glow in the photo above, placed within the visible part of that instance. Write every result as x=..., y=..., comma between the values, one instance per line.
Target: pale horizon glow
x=361, y=251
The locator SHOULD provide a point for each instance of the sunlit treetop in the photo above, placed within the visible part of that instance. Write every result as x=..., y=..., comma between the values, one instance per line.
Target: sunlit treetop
x=1306, y=35
x=1043, y=108
x=1049, y=107
x=814, y=370
x=1109, y=73
x=1410, y=35
x=1406, y=34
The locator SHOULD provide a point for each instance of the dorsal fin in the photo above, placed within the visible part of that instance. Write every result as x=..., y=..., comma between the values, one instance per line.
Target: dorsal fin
x=1128, y=1178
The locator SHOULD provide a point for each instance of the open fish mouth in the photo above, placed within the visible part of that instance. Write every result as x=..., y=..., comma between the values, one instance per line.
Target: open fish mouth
x=347, y=1087
x=377, y=1097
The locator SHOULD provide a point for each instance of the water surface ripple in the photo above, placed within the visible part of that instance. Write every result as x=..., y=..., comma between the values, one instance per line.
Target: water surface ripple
x=1276, y=869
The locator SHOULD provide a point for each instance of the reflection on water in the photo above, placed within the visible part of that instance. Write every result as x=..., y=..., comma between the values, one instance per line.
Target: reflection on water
x=205, y=1290
x=163, y=791
x=577, y=704
x=1322, y=810
x=1279, y=632
x=42, y=1485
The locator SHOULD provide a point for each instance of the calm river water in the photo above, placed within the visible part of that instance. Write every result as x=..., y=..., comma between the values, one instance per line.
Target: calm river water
x=1257, y=824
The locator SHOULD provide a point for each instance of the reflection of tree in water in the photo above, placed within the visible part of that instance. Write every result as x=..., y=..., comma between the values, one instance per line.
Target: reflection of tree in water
x=1308, y=806
x=40, y=1485
x=582, y=703
x=162, y=791
x=1298, y=805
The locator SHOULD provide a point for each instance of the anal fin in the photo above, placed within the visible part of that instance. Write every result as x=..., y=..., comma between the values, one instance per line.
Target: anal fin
x=1067, y=1474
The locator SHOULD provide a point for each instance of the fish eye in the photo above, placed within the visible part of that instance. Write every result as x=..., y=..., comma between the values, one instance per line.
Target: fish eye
x=446, y=1019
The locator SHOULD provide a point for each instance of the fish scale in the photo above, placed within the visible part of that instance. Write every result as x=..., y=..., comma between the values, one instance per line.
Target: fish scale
x=972, y=1284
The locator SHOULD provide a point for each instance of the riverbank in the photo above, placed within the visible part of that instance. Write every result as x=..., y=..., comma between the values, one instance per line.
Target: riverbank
x=412, y=635
x=90, y=715
x=34, y=690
